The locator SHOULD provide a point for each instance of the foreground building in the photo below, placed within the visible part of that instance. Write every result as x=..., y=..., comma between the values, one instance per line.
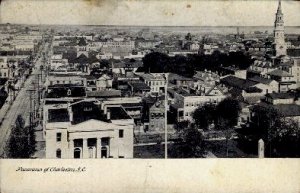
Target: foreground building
x=84, y=130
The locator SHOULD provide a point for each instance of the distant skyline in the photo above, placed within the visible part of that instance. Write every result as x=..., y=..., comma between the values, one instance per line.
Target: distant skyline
x=148, y=12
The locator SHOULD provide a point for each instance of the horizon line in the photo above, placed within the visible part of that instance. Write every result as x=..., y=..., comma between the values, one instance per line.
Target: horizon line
x=113, y=25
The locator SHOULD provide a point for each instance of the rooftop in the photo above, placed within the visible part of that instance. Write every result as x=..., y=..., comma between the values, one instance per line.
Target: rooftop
x=58, y=115
x=65, y=90
x=260, y=79
x=276, y=95
x=279, y=73
x=138, y=85
x=117, y=113
x=236, y=82
x=86, y=110
x=104, y=93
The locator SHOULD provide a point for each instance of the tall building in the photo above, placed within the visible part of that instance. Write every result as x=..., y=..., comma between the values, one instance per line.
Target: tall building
x=279, y=42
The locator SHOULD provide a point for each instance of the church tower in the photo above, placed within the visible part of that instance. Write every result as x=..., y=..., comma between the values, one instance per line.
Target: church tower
x=279, y=42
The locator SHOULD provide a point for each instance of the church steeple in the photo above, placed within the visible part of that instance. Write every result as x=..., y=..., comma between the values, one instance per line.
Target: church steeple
x=279, y=42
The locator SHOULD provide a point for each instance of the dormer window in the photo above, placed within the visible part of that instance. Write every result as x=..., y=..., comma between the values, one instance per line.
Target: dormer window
x=87, y=109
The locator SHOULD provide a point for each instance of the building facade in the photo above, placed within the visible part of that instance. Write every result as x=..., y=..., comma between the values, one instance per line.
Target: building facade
x=82, y=130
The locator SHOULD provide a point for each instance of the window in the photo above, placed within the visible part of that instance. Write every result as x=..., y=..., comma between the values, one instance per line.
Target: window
x=121, y=133
x=120, y=156
x=58, y=153
x=87, y=109
x=58, y=137
x=51, y=82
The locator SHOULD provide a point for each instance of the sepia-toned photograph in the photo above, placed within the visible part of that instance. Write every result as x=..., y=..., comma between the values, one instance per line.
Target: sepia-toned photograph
x=136, y=79
x=115, y=91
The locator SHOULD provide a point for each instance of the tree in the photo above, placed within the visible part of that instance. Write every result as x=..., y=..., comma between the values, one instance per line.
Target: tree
x=180, y=126
x=156, y=62
x=204, y=116
x=228, y=112
x=280, y=134
x=21, y=143
x=191, y=145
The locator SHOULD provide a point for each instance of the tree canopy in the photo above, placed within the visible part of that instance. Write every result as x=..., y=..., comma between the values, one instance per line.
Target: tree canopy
x=157, y=62
x=281, y=135
x=21, y=143
x=205, y=115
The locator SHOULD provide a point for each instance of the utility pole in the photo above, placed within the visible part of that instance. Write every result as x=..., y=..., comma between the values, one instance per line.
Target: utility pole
x=31, y=93
x=166, y=116
x=38, y=87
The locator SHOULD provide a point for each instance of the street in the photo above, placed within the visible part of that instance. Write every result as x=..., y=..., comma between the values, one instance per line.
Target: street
x=20, y=106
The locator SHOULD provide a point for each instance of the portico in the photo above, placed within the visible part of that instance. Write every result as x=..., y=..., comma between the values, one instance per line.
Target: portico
x=89, y=148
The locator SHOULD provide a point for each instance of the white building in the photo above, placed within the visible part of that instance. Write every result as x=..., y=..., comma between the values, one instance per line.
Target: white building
x=83, y=130
x=185, y=103
x=156, y=81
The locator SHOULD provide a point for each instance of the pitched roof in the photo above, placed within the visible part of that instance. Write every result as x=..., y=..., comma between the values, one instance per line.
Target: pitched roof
x=280, y=73
x=139, y=85
x=261, y=80
x=237, y=82
x=276, y=95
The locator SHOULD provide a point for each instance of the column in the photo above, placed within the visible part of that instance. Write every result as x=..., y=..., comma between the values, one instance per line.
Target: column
x=108, y=148
x=98, y=148
x=71, y=149
x=85, y=150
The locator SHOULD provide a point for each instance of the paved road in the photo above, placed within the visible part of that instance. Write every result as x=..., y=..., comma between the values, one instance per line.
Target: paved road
x=21, y=106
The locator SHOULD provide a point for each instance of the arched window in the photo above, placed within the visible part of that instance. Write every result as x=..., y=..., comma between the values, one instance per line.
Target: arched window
x=103, y=152
x=77, y=153
x=58, y=153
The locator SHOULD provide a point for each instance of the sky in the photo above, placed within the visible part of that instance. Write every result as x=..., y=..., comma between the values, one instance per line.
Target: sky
x=148, y=12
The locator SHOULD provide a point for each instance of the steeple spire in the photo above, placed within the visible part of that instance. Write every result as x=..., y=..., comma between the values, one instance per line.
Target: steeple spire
x=279, y=11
